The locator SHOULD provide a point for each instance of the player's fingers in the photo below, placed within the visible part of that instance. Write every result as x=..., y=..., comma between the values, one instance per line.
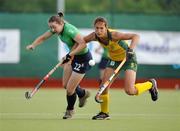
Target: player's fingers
x=29, y=47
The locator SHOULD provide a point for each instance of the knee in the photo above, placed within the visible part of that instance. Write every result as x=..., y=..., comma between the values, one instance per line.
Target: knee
x=64, y=85
x=69, y=92
x=105, y=91
x=129, y=91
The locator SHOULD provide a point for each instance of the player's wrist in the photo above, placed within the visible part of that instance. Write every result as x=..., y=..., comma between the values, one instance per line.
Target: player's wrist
x=67, y=58
x=129, y=53
x=130, y=49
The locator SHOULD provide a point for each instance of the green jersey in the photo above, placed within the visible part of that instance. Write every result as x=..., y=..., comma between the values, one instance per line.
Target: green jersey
x=67, y=36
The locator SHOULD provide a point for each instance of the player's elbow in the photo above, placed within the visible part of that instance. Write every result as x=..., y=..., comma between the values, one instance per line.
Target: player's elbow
x=137, y=37
x=84, y=45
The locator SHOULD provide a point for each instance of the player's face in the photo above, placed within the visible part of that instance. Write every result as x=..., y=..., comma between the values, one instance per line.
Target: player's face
x=100, y=29
x=56, y=27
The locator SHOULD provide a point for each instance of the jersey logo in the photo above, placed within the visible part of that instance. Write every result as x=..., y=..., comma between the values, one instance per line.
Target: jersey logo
x=112, y=63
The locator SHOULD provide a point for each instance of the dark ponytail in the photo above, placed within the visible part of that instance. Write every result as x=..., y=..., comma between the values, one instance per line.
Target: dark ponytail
x=58, y=18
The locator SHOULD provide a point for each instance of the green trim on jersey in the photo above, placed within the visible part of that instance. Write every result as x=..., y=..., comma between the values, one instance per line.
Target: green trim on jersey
x=67, y=36
x=105, y=53
x=123, y=44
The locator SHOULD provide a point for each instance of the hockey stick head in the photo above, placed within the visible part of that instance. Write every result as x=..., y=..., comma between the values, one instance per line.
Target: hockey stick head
x=97, y=98
x=106, y=84
x=27, y=95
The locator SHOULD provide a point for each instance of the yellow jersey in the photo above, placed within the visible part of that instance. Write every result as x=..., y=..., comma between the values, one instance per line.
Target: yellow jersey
x=116, y=49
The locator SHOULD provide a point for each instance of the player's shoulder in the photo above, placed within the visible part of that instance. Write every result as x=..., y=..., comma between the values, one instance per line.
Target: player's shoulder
x=115, y=34
x=70, y=26
x=70, y=29
x=112, y=30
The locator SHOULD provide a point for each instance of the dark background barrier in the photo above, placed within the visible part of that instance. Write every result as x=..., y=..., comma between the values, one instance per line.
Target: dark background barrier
x=37, y=63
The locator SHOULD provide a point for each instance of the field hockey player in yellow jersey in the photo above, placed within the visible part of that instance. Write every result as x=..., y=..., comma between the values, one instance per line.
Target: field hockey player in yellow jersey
x=118, y=49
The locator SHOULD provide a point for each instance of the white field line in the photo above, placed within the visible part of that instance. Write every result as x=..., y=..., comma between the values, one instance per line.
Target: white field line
x=89, y=114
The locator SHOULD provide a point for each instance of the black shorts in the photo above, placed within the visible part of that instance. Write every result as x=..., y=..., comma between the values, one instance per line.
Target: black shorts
x=80, y=63
x=103, y=63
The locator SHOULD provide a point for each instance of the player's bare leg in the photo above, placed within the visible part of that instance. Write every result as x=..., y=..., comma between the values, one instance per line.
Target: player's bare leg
x=136, y=89
x=74, y=80
x=129, y=82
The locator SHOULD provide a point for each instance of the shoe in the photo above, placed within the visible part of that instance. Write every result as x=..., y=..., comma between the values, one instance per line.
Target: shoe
x=83, y=100
x=154, y=90
x=101, y=116
x=68, y=114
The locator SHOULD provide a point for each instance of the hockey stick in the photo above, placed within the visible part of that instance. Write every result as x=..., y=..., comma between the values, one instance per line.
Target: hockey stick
x=106, y=84
x=29, y=95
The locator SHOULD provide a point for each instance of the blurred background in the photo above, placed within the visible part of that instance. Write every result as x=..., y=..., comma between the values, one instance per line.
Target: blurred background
x=157, y=22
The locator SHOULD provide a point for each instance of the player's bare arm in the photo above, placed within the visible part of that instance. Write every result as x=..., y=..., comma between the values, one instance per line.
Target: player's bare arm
x=80, y=44
x=39, y=40
x=126, y=36
x=90, y=37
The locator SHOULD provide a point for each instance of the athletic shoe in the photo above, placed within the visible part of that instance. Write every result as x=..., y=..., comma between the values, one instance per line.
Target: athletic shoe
x=83, y=100
x=154, y=90
x=101, y=116
x=68, y=114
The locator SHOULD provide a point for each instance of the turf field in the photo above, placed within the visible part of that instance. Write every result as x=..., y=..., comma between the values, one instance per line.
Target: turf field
x=45, y=110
